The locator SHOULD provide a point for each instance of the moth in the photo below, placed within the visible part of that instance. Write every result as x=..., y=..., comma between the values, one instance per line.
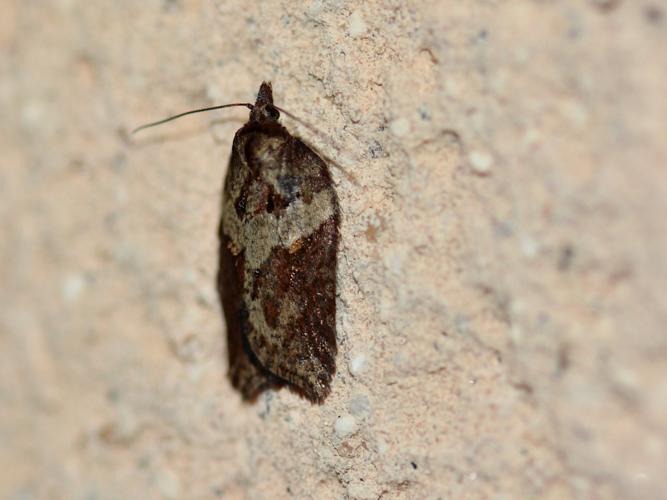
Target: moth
x=279, y=231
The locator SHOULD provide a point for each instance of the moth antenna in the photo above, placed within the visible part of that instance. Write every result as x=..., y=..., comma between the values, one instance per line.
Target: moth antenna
x=302, y=122
x=191, y=112
x=313, y=129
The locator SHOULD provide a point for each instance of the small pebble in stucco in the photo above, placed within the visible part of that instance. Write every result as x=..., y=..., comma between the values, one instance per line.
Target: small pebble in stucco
x=360, y=406
x=220, y=132
x=33, y=114
x=73, y=286
x=315, y=8
x=123, y=429
x=529, y=246
x=400, y=127
x=345, y=425
x=169, y=484
x=481, y=162
x=357, y=25
x=357, y=364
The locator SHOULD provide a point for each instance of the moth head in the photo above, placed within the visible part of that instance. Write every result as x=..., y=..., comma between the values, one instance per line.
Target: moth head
x=264, y=110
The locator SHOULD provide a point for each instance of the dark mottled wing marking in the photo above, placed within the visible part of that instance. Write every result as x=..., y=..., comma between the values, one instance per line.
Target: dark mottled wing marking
x=245, y=373
x=297, y=290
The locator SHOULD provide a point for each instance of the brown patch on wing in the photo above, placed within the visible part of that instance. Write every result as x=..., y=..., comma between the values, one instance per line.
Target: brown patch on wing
x=315, y=179
x=301, y=347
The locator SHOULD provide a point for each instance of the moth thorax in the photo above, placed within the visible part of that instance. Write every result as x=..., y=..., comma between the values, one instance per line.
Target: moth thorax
x=265, y=152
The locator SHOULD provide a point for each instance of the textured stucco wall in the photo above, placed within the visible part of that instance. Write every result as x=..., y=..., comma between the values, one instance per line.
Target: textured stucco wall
x=502, y=267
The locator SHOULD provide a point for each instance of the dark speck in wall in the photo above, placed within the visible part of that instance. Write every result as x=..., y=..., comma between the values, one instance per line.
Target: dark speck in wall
x=653, y=14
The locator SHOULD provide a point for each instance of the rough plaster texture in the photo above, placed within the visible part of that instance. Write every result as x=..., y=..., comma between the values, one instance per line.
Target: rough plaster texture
x=502, y=268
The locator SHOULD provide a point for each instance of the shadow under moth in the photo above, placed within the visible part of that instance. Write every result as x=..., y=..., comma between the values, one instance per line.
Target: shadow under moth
x=278, y=232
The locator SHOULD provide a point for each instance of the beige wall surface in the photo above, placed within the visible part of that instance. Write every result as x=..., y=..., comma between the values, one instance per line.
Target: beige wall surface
x=502, y=269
